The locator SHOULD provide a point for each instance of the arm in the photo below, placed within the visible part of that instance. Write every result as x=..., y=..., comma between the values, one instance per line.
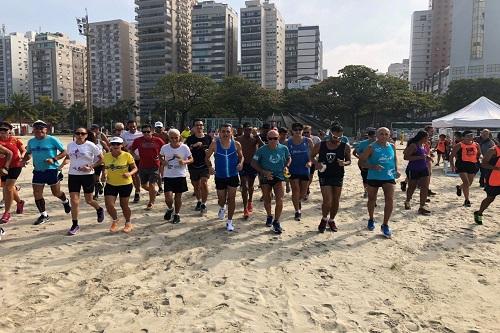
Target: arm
x=100, y=158
x=314, y=153
x=208, y=155
x=409, y=151
x=396, y=161
x=8, y=156
x=355, y=152
x=22, y=149
x=453, y=155
x=241, y=158
x=363, y=159
x=133, y=170
x=485, y=164
x=310, y=145
x=347, y=156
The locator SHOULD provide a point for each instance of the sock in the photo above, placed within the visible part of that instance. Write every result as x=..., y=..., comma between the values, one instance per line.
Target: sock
x=298, y=211
x=75, y=223
x=63, y=198
x=44, y=213
x=40, y=204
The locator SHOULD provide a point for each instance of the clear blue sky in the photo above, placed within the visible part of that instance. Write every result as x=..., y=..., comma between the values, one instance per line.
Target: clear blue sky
x=369, y=32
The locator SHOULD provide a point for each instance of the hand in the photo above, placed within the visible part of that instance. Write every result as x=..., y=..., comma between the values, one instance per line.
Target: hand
x=86, y=168
x=239, y=167
x=126, y=175
x=211, y=170
x=341, y=163
x=317, y=165
x=309, y=164
x=181, y=162
x=197, y=144
x=49, y=161
x=4, y=171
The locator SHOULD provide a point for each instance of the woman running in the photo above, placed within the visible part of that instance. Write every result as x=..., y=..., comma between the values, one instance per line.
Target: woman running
x=466, y=154
x=84, y=156
x=417, y=172
x=117, y=164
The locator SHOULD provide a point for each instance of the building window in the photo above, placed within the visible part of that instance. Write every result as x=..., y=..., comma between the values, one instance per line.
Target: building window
x=478, y=14
x=493, y=68
x=476, y=69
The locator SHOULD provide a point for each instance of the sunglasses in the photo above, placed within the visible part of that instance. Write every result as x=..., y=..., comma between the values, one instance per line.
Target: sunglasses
x=334, y=137
x=80, y=133
x=115, y=144
x=146, y=131
x=307, y=132
x=3, y=130
x=39, y=127
x=297, y=129
x=273, y=138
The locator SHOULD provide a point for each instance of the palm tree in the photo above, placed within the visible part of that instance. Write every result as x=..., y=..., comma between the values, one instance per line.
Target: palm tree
x=20, y=107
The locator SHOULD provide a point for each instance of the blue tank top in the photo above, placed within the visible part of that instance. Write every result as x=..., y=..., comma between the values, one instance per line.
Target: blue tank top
x=226, y=161
x=384, y=156
x=300, y=156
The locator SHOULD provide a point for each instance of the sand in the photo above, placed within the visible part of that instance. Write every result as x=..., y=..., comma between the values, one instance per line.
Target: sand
x=437, y=274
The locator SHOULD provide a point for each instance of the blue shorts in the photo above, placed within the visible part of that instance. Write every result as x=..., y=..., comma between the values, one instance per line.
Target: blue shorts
x=47, y=177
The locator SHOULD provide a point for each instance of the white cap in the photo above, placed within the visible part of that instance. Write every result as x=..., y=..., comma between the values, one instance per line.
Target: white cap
x=116, y=139
x=158, y=124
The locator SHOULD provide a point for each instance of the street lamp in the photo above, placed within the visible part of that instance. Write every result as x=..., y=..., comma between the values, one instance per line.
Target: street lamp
x=84, y=30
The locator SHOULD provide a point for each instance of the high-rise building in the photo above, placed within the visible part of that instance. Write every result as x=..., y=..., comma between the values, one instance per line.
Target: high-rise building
x=57, y=68
x=399, y=70
x=291, y=49
x=475, y=50
x=215, y=40
x=14, y=64
x=113, y=62
x=421, y=46
x=164, y=44
x=263, y=44
x=442, y=11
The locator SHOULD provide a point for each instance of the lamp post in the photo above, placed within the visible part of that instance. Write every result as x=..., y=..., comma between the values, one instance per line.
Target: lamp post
x=84, y=30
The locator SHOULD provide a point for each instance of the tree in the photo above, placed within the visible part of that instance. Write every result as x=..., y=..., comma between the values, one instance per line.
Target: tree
x=52, y=112
x=20, y=108
x=463, y=92
x=184, y=93
x=77, y=115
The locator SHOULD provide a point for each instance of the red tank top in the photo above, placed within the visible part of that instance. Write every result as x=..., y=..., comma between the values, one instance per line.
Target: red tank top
x=441, y=146
x=494, y=179
x=469, y=152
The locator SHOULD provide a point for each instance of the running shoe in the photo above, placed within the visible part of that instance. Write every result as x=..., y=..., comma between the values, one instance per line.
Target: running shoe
x=250, y=207
x=222, y=213
x=459, y=190
x=371, y=224
x=137, y=197
x=229, y=226
x=73, y=230
x=2, y=232
x=277, y=227
x=269, y=221
x=246, y=215
x=168, y=214
x=114, y=226
x=128, y=228
x=203, y=209
x=322, y=225
x=407, y=205
x=67, y=207
x=467, y=203
x=430, y=193
x=403, y=186
x=100, y=215
x=20, y=207
x=198, y=206
x=386, y=231
x=42, y=219
x=478, y=218
x=332, y=225
x=5, y=218
x=423, y=211
x=298, y=216
x=177, y=219
x=160, y=190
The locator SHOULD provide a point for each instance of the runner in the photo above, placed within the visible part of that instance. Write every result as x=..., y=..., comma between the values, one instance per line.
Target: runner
x=228, y=162
x=491, y=161
x=283, y=139
x=307, y=131
x=485, y=143
x=272, y=161
x=428, y=151
x=186, y=133
x=128, y=138
x=118, y=129
x=175, y=156
x=161, y=133
x=417, y=172
x=371, y=133
x=334, y=155
x=102, y=142
x=119, y=167
x=442, y=146
x=249, y=144
x=10, y=191
x=381, y=161
x=83, y=157
x=148, y=148
x=44, y=149
x=300, y=149
x=198, y=143
x=463, y=160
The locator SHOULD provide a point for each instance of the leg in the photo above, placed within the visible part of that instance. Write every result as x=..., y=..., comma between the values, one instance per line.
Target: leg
x=296, y=198
x=244, y=190
x=412, y=186
x=125, y=209
x=304, y=184
x=485, y=204
x=389, y=201
x=75, y=205
x=9, y=190
x=197, y=189
x=39, y=200
x=334, y=208
x=424, y=190
x=169, y=200
x=221, y=197
x=372, y=200
x=465, y=184
x=251, y=181
x=327, y=193
x=231, y=201
x=266, y=194
x=90, y=201
x=204, y=189
x=110, y=206
x=178, y=202
x=279, y=192
x=137, y=183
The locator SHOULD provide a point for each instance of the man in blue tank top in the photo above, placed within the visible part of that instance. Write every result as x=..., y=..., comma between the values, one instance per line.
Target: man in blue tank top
x=382, y=164
x=228, y=162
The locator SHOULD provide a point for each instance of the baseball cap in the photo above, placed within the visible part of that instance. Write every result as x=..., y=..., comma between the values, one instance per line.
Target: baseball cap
x=116, y=139
x=40, y=123
x=158, y=124
x=5, y=125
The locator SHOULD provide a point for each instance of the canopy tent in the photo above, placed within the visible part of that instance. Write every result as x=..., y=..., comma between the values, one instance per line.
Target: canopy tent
x=482, y=113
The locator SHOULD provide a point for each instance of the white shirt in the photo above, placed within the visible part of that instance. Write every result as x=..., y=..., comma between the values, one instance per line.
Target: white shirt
x=315, y=139
x=82, y=155
x=172, y=167
x=129, y=140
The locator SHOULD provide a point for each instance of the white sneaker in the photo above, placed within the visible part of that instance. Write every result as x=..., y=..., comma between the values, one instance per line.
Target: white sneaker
x=2, y=232
x=222, y=213
x=229, y=226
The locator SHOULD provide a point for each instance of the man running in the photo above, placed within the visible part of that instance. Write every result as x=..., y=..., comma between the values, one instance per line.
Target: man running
x=485, y=143
x=307, y=131
x=371, y=133
x=148, y=148
x=381, y=161
x=198, y=143
x=228, y=162
x=491, y=162
x=334, y=155
x=128, y=138
x=272, y=161
x=44, y=149
x=162, y=133
x=249, y=144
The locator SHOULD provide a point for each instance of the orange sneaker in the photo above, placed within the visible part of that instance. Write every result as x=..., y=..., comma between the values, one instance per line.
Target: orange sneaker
x=128, y=228
x=114, y=226
x=250, y=207
x=246, y=214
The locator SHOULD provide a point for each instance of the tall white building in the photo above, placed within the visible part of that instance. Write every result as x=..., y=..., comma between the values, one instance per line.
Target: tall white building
x=399, y=70
x=215, y=40
x=14, y=64
x=421, y=47
x=263, y=44
x=475, y=49
x=113, y=62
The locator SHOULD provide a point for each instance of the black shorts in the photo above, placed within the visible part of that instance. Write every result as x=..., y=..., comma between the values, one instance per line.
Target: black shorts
x=248, y=171
x=364, y=175
x=224, y=183
x=379, y=183
x=175, y=185
x=47, y=177
x=311, y=170
x=466, y=167
x=98, y=170
x=300, y=177
x=440, y=152
x=415, y=175
x=272, y=182
x=77, y=182
x=492, y=191
x=331, y=181
x=13, y=174
x=123, y=191
x=197, y=174
x=149, y=175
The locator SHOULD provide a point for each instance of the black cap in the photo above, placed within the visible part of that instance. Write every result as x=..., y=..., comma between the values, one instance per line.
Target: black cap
x=5, y=125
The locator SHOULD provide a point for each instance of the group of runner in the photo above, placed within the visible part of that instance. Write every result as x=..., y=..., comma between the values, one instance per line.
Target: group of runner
x=152, y=157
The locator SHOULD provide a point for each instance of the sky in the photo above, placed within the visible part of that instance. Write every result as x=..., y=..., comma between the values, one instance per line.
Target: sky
x=374, y=33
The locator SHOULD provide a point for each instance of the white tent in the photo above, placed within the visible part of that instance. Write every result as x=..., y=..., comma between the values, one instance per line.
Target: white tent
x=482, y=113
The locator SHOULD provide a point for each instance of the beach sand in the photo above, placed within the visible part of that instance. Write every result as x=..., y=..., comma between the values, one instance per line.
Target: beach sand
x=437, y=274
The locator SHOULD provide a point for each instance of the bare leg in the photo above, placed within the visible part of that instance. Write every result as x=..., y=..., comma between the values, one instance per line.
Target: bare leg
x=110, y=206
x=327, y=193
x=178, y=202
x=279, y=192
x=389, y=201
x=424, y=190
x=334, y=208
x=372, y=200
x=296, y=198
x=231, y=201
x=75, y=204
x=125, y=209
x=266, y=193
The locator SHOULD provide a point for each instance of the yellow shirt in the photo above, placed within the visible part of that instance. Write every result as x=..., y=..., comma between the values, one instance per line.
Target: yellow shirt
x=186, y=134
x=116, y=167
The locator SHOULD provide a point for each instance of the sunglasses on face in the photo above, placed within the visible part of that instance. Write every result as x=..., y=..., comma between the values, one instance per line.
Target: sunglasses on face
x=38, y=128
x=174, y=138
x=307, y=132
x=334, y=137
x=297, y=129
x=80, y=133
x=226, y=131
x=3, y=130
x=146, y=132
x=273, y=138
x=115, y=144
